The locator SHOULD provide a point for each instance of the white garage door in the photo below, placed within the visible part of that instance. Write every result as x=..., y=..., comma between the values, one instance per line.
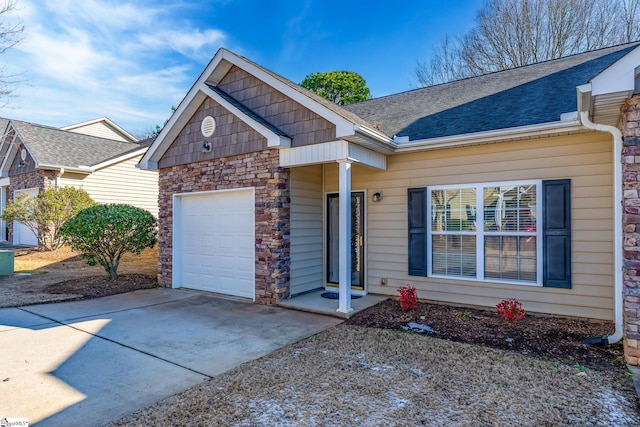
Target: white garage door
x=21, y=234
x=214, y=242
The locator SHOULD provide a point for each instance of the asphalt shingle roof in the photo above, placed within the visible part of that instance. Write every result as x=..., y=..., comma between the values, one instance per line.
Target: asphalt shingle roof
x=52, y=146
x=533, y=94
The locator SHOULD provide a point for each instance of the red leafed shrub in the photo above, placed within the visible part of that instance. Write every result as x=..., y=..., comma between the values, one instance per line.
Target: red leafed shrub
x=408, y=297
x=510, y=309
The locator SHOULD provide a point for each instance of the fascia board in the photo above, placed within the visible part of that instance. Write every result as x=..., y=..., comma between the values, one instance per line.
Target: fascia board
x=116, y=159
x=79, y=170
x=619, y=76
x=521, y=132
x=161, y=144
x=170, y=131
x=273, y=139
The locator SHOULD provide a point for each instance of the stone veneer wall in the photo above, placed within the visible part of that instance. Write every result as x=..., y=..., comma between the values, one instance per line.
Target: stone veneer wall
x=260, y=170
x=41, y=179
x=631, y=228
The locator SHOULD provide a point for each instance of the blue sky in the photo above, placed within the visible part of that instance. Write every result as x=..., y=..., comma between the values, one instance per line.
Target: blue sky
x=132, y=60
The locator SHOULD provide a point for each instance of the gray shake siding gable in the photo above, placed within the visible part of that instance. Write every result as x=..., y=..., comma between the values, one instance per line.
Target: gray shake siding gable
x=232, y=137
x=303, y=125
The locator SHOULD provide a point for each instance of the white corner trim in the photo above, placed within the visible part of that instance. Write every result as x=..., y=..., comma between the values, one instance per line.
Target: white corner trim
x=273, y=139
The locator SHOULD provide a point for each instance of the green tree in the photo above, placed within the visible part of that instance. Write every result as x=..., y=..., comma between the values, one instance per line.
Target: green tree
x=46, y=213
x=340, y=87
x=103, y=233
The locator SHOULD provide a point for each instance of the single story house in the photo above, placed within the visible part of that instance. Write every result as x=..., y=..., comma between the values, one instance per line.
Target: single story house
x=504, y=185
x=97, y=156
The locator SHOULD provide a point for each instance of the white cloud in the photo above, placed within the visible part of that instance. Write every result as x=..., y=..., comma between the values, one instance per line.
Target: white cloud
x=192, y=44
x=124, y=60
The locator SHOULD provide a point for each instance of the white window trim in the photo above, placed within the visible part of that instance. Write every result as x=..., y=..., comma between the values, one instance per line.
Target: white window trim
x=480, y=233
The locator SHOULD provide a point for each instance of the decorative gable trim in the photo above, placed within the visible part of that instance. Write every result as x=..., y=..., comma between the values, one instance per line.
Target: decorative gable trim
x=274, y=140
x=212, y=75
x=344, y=127
x=12, y=149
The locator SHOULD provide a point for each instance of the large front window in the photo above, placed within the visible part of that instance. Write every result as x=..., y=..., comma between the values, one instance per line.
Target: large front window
x=486, y=232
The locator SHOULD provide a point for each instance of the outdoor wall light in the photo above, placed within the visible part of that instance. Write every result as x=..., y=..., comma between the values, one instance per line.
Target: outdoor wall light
x=23, y=157
x=206, y=147
x=377, y=196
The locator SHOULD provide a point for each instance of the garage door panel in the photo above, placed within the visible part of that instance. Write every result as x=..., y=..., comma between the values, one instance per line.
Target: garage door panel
x=216, y=233
x=22, y=235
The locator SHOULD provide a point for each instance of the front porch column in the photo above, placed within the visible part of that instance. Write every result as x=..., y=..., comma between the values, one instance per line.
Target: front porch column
x=344, y=264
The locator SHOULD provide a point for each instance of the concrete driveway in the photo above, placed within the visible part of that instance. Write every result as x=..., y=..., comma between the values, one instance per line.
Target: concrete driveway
x=91, y=362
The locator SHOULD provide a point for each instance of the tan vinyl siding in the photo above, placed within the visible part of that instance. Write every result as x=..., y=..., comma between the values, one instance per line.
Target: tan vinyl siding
x=584, y=158
x=100, y=129
x=119, y=183
x=306, y=229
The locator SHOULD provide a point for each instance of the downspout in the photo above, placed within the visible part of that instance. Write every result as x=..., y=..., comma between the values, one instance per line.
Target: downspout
x=58, y=175
x=617, y=228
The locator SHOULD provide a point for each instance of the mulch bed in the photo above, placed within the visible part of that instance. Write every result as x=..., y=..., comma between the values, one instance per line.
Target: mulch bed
x=102, y=286
x=536, y=336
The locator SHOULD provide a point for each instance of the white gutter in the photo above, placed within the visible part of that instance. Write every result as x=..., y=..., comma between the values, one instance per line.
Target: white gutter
x=617, y=222
x=529, y=131
x=62, y=168
x=374, y=134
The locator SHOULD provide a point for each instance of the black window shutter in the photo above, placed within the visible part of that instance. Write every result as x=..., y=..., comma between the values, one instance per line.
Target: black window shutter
x=556, y=202
x=418, y=231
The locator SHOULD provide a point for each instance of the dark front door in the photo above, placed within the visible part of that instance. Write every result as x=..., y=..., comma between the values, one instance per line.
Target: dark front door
x=357, y=239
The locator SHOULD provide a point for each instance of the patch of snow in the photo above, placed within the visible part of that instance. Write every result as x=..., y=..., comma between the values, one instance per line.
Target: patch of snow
x=419, y=328
x=418, y=372
x=615, y=409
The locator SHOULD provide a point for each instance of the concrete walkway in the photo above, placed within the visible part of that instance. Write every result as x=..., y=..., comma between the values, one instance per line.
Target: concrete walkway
x=91, y=362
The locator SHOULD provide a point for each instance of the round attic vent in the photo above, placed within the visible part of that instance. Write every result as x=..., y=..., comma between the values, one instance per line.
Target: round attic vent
x=208, y=126
x=23, y=155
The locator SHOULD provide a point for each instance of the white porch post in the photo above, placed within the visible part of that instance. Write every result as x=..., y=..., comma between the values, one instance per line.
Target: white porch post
x=344, y=305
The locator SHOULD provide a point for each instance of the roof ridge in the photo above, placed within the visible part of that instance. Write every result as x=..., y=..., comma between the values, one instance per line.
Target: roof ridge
x=573, y=55
x=68, y=132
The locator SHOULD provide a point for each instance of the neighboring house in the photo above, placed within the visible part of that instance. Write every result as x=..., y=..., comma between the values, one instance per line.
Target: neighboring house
x=503, y=185
x=34, y=157
x=103, y=128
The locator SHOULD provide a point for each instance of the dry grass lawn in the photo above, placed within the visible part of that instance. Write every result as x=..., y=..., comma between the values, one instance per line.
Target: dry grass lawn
x=37, y=270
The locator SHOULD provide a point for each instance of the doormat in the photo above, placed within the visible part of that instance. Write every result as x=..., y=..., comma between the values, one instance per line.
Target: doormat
x=335, y=295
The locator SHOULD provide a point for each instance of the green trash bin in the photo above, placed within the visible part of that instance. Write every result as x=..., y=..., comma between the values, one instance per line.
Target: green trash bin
x=6, y=263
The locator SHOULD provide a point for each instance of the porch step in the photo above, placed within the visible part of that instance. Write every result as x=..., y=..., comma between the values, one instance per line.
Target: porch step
x=312, y=302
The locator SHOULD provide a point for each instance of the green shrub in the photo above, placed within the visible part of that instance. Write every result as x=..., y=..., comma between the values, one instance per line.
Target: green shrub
x=103, y=233
x=45, y=214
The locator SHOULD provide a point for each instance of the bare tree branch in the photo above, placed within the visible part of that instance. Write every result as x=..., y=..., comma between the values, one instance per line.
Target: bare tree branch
x=11, y=34
x=514, y=33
